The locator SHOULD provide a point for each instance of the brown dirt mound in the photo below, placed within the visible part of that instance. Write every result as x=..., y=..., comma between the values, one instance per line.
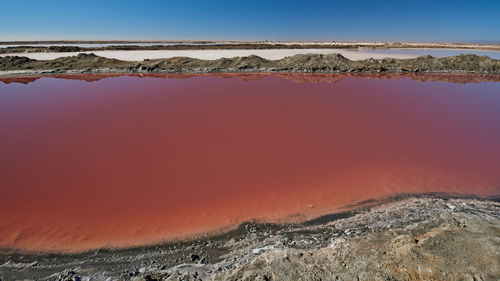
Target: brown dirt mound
x=334, y=63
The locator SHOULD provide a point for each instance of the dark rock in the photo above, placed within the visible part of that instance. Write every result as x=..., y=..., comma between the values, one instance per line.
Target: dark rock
x=194, y=257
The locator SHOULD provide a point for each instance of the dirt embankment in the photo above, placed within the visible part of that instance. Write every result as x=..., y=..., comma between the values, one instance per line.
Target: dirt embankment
x=334, y=63
x=406, y=238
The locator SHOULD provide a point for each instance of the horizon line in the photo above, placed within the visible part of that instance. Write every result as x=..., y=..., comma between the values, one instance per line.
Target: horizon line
x=7, y=42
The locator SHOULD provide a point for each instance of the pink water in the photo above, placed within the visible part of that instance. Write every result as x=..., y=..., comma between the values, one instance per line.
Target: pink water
x=128, y=161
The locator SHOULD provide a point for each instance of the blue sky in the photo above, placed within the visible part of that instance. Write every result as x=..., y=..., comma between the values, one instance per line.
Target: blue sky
x=401, y=20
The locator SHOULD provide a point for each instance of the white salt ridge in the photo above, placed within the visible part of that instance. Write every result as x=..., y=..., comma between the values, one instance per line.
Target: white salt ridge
x=271, y=54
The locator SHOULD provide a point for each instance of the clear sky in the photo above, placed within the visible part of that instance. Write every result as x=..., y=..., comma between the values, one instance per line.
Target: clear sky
x=419, y=20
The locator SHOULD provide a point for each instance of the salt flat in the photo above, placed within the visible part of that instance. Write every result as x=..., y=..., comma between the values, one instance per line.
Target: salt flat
x=272, y=54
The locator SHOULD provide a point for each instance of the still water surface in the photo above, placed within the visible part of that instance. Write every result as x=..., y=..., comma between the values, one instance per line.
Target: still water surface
x=131, y=160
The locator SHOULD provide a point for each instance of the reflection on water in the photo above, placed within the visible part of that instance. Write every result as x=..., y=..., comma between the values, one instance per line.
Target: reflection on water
x=294, y=77
x=129, y=160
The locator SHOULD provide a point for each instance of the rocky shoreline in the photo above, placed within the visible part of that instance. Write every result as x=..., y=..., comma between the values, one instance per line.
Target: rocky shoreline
x=408, y=237
x=311, y=63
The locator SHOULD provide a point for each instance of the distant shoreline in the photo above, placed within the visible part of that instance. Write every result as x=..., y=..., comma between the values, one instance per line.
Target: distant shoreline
x=181, y=44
